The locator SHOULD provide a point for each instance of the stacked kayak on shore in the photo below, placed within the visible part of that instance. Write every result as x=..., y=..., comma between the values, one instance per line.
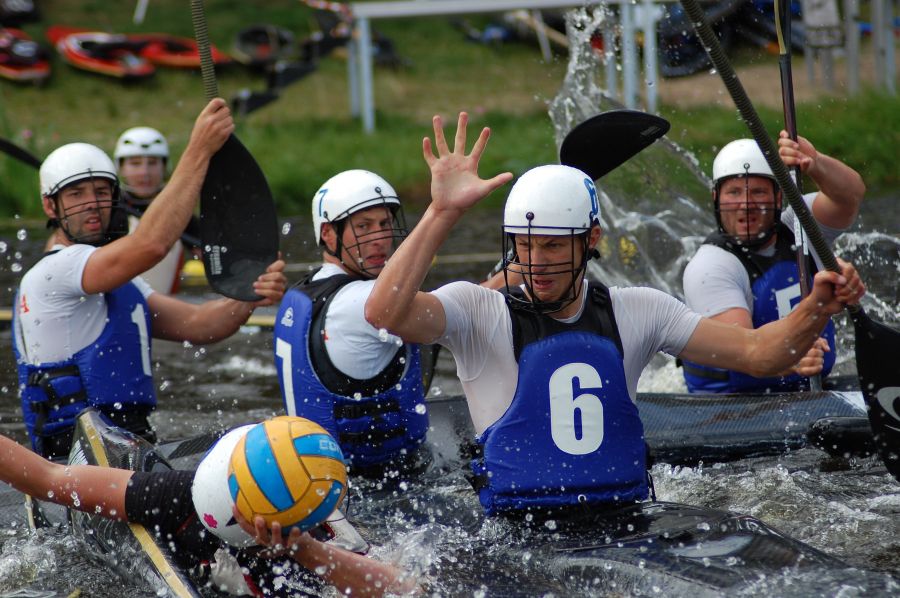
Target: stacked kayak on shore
x=126, y=56
x=21, y=58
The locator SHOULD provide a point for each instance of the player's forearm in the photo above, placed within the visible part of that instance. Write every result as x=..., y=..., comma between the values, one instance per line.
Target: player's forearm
x=842, y=184
x=169, y=214
x=402, y=277
x=83, y=487
x=779, y=345
x=215, y=320
x=351, y=573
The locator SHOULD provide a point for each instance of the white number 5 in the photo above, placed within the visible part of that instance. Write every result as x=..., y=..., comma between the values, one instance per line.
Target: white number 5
x=565, y=408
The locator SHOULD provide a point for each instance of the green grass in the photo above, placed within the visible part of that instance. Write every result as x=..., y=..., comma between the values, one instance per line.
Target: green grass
x=308, y=135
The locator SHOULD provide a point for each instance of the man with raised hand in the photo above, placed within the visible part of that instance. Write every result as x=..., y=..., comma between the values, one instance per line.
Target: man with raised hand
x=746, y=273
x=550, y=367
x=83, y=318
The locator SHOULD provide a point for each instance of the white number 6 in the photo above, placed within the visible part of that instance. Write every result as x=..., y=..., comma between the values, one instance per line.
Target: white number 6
x=565, y=407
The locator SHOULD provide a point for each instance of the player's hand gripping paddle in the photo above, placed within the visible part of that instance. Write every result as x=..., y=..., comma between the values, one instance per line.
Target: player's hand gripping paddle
x=238, y=223
x=877, y=345
x=605, y=141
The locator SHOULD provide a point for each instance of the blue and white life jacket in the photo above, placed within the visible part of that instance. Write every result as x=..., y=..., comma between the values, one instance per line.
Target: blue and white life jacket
x=572, y=435
x=375, y=420
x=775, y=284
x=112, y=373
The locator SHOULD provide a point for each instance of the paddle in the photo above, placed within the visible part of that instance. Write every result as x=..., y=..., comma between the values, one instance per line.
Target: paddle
x=877, y=345
x=19, y=153
x=783, y=29
x=238, y=223
x=605, y=141
x=23, y=155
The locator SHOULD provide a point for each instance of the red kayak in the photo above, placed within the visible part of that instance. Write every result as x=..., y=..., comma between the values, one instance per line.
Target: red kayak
x=114, y=55
x=163, y=49
x=21, y=58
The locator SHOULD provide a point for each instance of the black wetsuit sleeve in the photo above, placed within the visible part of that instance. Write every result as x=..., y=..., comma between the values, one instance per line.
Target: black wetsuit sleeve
x=161, y=502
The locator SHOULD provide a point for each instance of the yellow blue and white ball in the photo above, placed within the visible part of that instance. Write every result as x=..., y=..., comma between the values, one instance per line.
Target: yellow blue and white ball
x=287, y=469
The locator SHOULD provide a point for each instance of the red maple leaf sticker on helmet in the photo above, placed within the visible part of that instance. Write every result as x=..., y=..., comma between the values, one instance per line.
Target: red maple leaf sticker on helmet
x=210, y=520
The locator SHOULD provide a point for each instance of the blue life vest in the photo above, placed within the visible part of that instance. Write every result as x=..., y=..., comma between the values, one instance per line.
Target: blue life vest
x=113, y=374
x=775, y=284
x=376, y=420
x=572, y=435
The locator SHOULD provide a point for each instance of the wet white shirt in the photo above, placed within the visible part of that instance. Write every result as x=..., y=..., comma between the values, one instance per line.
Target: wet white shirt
x=354, y=346
x=479, y=334
x=716, y=281
x=56, y=318
x=163, y=276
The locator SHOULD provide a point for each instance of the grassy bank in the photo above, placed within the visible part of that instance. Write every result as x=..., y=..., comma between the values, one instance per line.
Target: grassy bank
x=308, y=135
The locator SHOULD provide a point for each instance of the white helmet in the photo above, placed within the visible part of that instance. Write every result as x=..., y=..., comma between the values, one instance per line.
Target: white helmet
x=210, y=493
x=347, y=193
x=141, y=141
x=741, y=157
x=74, y=162
x=549, y=200
x=552, y=200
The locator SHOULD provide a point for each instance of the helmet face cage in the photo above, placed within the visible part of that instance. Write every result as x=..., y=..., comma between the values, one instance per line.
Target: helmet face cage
x=396, y=231
x=116, y=227
x=749, y=207
x=513, y=263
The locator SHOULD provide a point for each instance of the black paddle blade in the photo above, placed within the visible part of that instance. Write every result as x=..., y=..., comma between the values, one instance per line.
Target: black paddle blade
x=877, y=348
x=238, y=223
x=19, y=153
x=605, y=141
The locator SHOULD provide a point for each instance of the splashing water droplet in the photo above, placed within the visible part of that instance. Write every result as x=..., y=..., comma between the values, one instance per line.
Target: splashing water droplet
x=420, y=407
x=285, y=228
x=22, y=234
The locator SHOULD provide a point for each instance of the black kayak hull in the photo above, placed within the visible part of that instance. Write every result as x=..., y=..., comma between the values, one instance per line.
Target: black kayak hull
x=685, y=429
x=128, y=547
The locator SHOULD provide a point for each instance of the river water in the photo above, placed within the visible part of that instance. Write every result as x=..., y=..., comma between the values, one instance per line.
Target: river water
x=432, y=525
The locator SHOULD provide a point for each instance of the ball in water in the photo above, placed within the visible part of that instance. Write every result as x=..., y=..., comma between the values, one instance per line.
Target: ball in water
x=287, y=469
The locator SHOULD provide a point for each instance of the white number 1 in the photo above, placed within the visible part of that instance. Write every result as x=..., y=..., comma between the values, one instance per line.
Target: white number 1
x=283, y=350
x=138, y=316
